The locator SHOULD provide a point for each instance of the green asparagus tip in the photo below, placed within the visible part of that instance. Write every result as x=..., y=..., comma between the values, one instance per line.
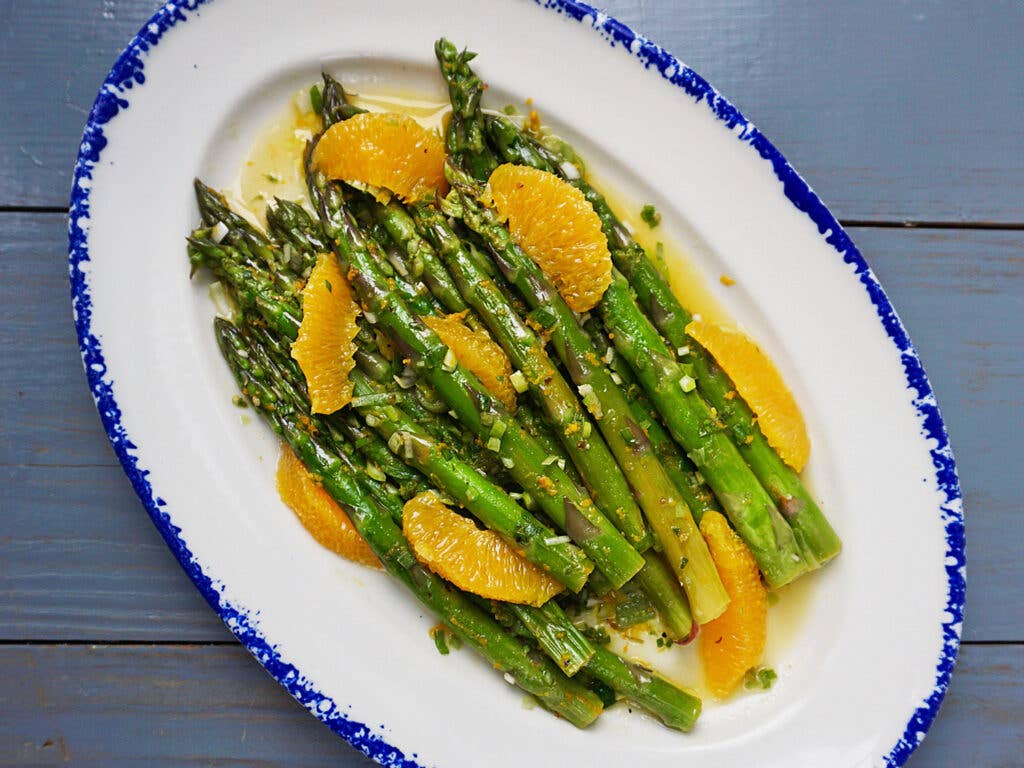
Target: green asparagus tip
x=334, y=102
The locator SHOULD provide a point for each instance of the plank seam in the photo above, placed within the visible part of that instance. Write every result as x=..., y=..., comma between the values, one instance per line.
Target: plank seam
x=78, y=642
x=996, y=226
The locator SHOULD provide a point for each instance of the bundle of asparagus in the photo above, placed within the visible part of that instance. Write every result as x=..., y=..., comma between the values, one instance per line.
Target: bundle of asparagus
x=596, y=467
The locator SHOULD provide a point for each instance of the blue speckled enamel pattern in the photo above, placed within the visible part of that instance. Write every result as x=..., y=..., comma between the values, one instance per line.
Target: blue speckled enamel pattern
x=128, y=72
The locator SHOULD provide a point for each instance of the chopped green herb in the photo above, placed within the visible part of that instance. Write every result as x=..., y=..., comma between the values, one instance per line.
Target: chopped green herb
x=329, y=286
x=650, y=216
x=510, y=109
x=440, y=639
x=239, y=401
x=759, y=678
x=659, y=261
x=632, y=608
x=595, y=634
x=375, y=472
x=273, y=178
x=316, y=99
x=603, y=691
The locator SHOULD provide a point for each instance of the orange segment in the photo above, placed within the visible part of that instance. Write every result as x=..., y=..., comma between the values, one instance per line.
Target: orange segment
x=553, y=222
x=477, y=561
x=318, y=512
x=734, y=642
x=479, y=354
x=759, y=383
x=384, y=150
x=324, y=348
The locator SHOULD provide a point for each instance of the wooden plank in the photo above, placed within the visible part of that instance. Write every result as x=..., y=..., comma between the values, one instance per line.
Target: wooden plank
x=80, y=559
x=154, y=706
x=183, y=706
x=955, y=290
x=893, y=111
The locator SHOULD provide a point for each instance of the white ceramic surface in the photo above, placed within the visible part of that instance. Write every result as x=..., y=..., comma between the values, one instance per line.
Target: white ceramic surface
x=860, y=683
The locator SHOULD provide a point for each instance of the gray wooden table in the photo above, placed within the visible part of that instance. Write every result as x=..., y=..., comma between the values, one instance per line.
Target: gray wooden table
x=907, y=118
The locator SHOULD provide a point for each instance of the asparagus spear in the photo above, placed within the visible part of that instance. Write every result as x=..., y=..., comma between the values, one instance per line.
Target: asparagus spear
x=420, y=262
x=335, y=105
x=800, y=556
x=555, y=634
x=465, y=134
x=541, y=679
x=692, y=423
x=402, y=230
x=662, y=504
x=541, y=431
x=672, y=705
x=684, y=474
x=818, y=540
x=667, y=513
x=480, y=412
x=517, y=147
x=662, y=588
x=486, y=501
x=559, y=638
x=290, y=223
x=447, y=471
x=563, y=409
x=251, y=290
x=528, y=354
x=263, y=362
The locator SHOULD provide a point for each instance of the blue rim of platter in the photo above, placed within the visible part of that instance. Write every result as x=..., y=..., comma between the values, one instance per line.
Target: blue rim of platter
x=113, y=98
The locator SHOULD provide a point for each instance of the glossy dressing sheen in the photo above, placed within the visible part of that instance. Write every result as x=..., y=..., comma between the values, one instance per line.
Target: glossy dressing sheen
x=273, y=168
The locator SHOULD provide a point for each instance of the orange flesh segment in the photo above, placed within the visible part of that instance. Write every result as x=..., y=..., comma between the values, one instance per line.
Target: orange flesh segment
x=734, y=642
x=384, y=150
x=478, y=353
x=318, y=512
x=324, y=348
x=475, y=560
x=557, y=227
x=760, y=384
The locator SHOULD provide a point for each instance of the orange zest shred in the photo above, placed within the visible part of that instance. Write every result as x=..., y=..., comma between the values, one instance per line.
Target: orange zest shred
x=478, y=353
x=557, y=227
x=325, y=348
x=758, y=382
x=734, y=642
x=475, y=560
x=384, y=150
x=318, y=512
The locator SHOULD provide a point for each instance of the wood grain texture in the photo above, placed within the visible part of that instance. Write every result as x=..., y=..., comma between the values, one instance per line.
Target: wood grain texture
x=185, y=706
x=75, y=530
x=892, y=111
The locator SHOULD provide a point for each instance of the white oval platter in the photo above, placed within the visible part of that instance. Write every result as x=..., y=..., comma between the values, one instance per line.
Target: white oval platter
x=861, y=681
